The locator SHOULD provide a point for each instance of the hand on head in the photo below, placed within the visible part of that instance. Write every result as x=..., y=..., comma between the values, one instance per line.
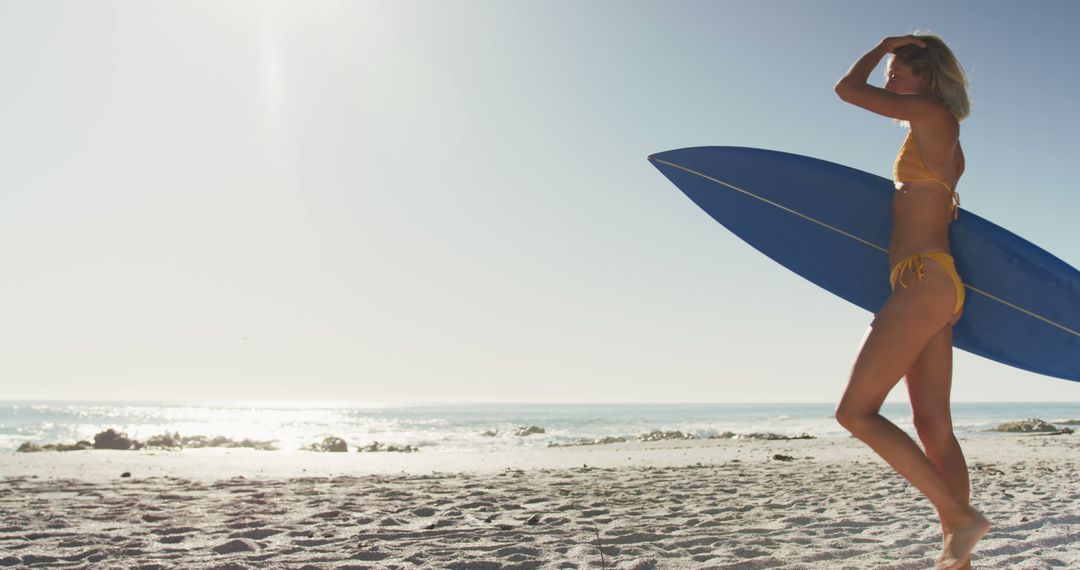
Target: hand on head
x=891, y=44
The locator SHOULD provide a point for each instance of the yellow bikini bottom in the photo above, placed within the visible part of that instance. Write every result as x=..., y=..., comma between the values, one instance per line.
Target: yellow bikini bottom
x=915, y=263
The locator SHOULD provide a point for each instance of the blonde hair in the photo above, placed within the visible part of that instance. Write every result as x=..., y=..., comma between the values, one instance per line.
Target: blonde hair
x=948, y=82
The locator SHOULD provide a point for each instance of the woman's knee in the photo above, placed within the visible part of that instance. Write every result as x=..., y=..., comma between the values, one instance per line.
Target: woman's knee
x=933, y=428
x=853, y=418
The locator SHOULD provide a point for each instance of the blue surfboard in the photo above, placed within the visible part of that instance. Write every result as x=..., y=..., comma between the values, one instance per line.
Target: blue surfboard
x=831, y=224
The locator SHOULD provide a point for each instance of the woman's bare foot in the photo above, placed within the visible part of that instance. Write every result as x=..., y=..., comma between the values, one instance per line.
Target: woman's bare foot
x=960, y=542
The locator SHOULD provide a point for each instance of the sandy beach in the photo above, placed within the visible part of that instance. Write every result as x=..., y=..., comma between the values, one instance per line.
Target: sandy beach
x=722, y=504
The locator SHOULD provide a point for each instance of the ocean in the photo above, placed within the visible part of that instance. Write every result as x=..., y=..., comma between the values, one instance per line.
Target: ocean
x=456, y=427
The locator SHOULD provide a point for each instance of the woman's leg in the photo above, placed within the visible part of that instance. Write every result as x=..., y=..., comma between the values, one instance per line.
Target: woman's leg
x=898, y=334
x=900, y=331
x=929, y=382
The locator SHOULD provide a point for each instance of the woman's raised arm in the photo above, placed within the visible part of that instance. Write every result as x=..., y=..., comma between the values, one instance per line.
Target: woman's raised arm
x=853, y=87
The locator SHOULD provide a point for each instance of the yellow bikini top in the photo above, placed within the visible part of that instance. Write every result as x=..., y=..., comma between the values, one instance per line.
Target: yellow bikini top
x=909, y=167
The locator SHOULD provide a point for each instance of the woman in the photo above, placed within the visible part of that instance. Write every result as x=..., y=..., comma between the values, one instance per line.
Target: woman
x=911, y=336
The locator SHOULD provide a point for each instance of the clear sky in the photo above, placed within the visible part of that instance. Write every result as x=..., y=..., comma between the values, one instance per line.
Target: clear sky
x=450, y=201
